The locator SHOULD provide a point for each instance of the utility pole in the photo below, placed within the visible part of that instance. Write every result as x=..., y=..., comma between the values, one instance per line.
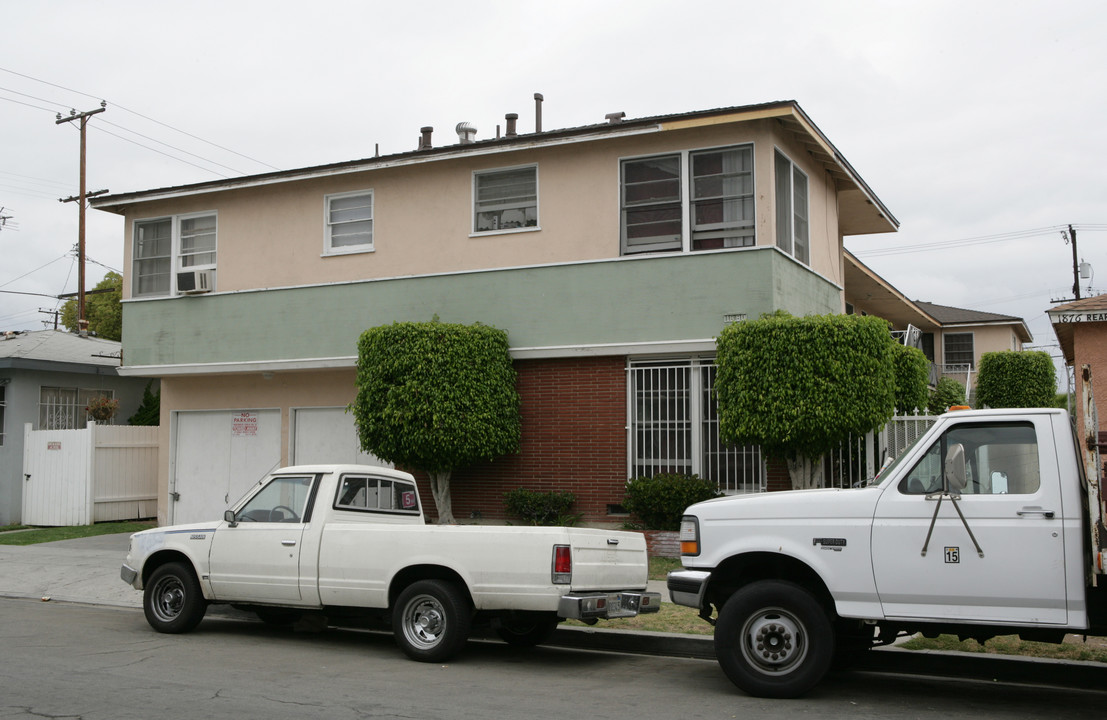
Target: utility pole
x=82, y=322
x=1075, y=264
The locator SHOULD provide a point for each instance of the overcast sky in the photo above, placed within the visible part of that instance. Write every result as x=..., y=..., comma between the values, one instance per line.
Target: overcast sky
x=978, y=123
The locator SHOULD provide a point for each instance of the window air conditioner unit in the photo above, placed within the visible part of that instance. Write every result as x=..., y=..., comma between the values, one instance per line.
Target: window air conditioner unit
x=194, y=282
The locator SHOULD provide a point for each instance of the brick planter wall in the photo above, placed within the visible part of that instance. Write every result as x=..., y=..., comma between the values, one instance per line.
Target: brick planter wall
x=662, y=543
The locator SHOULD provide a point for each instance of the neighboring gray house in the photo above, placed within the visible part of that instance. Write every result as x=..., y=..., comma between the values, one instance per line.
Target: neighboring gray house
x=46, y=379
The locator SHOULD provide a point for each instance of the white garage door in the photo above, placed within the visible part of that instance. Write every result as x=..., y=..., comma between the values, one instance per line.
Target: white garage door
x=327, y=435
x=217, y=456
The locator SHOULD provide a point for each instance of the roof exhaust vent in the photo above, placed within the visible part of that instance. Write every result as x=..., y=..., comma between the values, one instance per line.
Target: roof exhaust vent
x=425, y=140
x=615, y=118
x=538, y=112
x=466, y=133
x=511, y=118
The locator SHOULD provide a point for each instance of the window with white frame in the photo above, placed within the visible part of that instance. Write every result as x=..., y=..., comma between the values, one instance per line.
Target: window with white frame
x=958, y=348
x=349, y=223
x=163, y=247
x=716, y=210
x=63, y=408
x=674, y=426
x=505, y=200
x=792, y=231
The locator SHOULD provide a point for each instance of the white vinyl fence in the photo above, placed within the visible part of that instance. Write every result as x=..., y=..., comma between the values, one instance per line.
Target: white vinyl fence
x=100, y=473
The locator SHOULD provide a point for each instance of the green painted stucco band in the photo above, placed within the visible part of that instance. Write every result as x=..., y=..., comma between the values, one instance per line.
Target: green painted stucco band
x=652, y=299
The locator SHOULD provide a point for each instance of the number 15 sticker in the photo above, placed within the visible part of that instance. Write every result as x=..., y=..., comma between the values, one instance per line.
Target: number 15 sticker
x=953, y=555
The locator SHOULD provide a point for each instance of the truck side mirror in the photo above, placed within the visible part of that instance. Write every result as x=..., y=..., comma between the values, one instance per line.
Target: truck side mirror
x=955, y=468
x=228, y=517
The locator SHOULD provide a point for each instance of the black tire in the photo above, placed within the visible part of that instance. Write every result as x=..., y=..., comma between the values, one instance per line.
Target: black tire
x=431, y=620
x=773, y=639
x=172, y=600
x=527, y=631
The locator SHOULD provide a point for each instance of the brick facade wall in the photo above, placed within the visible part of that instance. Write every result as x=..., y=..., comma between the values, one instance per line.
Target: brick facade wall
x=573, y=438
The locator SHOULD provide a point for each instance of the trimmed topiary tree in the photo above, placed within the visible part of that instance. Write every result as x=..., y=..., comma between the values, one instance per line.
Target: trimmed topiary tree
x=436, y=396
x=912, y=371
x=1011, y=379
x=798, y=387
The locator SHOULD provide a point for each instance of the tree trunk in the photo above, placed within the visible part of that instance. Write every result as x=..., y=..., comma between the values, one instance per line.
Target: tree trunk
x=440, y=489
x=805, y=472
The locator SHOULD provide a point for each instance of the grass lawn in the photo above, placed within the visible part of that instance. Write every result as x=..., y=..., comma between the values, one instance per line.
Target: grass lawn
x=1074, y=648
x=19, y=535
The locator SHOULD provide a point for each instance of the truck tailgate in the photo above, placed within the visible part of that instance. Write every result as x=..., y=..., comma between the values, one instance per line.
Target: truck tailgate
x=604, y=560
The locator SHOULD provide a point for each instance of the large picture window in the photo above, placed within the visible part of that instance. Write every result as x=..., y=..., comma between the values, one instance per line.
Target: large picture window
x=958, y=349
x=505, y=200
x=674, y=427
x=349, y=223
x=792, y=231
x=165, y=246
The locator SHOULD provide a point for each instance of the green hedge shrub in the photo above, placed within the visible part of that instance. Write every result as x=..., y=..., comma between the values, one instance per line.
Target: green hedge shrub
x=947, y=392
x=541, y=508
x=659, y=501
x=1011, y=379
x=912, y=371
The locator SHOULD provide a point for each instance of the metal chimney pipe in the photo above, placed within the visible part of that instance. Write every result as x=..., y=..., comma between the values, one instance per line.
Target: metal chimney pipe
x=538, y=112
x=425, y=141
x=511, y=118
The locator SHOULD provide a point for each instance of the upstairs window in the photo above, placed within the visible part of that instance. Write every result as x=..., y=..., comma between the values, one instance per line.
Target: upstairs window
x=164, y=247
x=692, y=200
x=722, y=198
x=651, y=204
x=349, y=223
x=958, y=349
x=792, y=233
x=505, y=200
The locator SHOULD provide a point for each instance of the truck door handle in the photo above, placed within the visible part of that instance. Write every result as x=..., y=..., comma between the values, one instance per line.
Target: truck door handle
x=292, y=543
x=1035, y=510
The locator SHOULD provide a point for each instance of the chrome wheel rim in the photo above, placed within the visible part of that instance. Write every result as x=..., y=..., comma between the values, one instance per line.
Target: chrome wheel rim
x=168, y=598
x=774, y=641
x=424, y=621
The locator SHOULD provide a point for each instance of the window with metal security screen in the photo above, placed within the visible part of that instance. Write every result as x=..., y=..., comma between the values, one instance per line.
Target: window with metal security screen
x=674, y=427
x=62, y=408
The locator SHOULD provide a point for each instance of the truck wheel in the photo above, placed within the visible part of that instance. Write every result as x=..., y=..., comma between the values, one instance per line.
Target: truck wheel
x=773, y=639
x=431, y=620
x=527, y=631
x=172, y=600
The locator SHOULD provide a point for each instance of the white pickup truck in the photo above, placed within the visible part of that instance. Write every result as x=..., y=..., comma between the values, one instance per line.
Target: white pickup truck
x=988, y=525
x=350, y=541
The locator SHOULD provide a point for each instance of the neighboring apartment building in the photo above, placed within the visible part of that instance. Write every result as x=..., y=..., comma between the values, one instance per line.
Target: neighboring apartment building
x=46, y=380
x=952, y=338
x=612, y=254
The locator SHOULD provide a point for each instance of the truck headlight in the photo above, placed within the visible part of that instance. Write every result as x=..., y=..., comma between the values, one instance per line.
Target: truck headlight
x=689, y=535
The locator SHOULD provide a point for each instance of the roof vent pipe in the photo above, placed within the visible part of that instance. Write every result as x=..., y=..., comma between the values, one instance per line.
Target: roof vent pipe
x=465, y=133
x=538, y=112
x=511, y=118
x=425, y=140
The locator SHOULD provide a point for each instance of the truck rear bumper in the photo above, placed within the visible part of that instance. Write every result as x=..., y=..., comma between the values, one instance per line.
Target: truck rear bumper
x=606, y=606
x=686, y=587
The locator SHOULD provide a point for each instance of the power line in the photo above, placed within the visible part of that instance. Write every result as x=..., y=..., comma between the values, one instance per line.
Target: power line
x=979, y=240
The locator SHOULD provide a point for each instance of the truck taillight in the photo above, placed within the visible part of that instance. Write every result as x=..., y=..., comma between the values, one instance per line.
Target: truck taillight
x=689, y=535
x=562, y=565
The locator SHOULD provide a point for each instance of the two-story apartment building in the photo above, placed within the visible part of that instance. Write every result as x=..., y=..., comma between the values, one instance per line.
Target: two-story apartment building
x=612, y=254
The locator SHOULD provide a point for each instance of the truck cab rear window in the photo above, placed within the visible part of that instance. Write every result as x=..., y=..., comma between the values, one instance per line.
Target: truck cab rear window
x=358, y=492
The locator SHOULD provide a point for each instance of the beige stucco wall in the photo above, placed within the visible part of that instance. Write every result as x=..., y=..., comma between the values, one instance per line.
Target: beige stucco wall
x=272, y=236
